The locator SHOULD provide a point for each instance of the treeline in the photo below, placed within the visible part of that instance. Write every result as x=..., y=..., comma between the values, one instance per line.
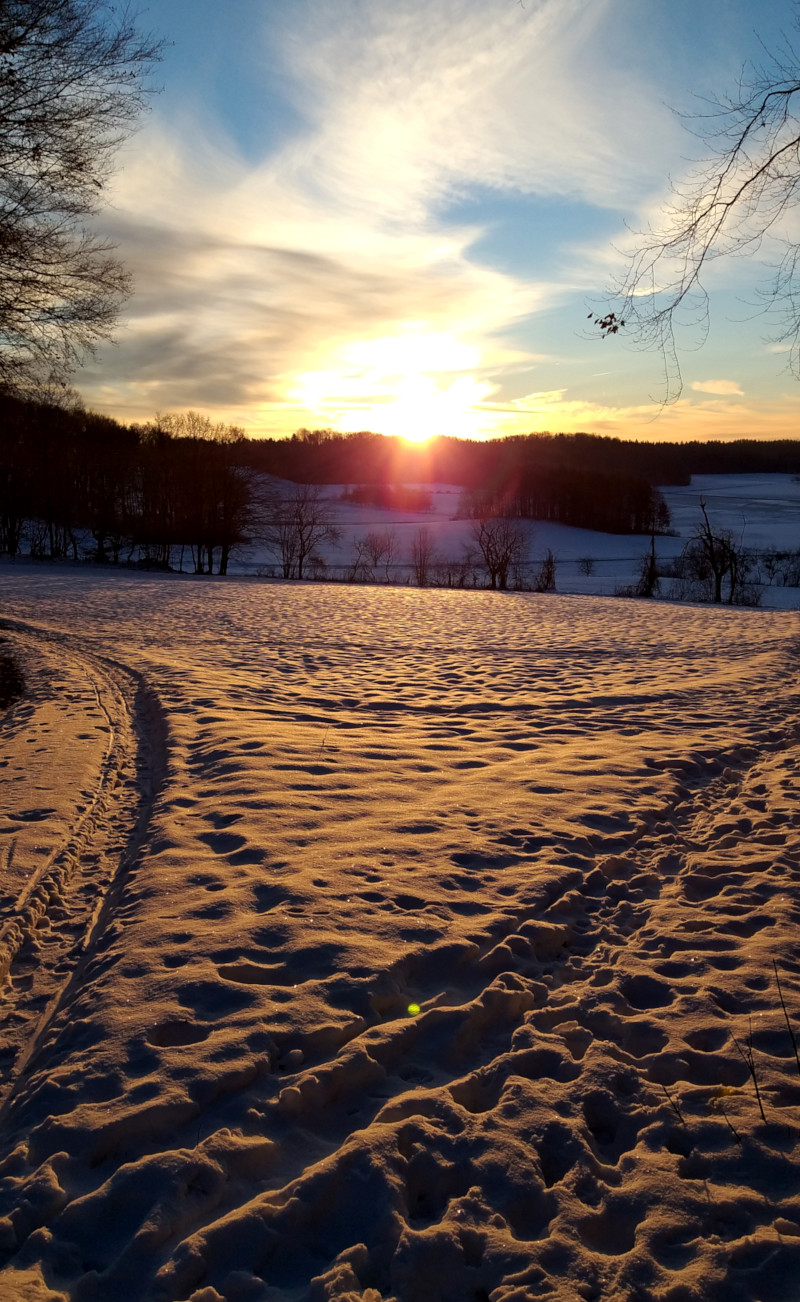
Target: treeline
x=183, y=492
x=327, y=457
x=564, y=478
x=389, y=497
x=159, y=495
x=587, y=499
x=585, y=480
x=497, y=465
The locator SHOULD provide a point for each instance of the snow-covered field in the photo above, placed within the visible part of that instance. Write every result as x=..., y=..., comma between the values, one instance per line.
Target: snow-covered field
x=376, y=943
x=761, y=511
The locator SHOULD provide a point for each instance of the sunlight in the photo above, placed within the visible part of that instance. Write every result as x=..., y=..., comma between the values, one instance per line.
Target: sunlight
x=414, y=384
x=420, y=409
x=413, y=352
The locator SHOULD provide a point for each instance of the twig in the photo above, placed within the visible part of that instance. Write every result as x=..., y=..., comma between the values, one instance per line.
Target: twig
x=749, y=1061
x=324, y=739
x=731, y=1126
x=674, y=1105
x=786, y=1015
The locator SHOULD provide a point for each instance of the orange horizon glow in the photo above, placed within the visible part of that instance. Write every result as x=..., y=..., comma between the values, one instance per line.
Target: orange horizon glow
x=415, y=384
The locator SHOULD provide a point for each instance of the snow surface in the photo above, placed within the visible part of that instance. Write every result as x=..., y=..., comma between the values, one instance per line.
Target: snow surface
x=376, y=943
x=762, y=511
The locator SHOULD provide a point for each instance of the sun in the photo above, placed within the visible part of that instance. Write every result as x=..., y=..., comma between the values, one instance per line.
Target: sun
x=414, y=384
x=421, y=408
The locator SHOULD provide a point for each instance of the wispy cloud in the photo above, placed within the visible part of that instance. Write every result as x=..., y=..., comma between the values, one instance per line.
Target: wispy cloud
x=317, y=283
x=722, y=388
x=416, y=101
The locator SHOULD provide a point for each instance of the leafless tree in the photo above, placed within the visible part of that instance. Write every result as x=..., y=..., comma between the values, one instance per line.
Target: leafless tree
x=72, y=84
x=545, y=580
x=423, y=556
x=382, y=549
x=502, y=543
x=714, y=566
x=586, y=565
x=361, y=570
x=295, y=525
x=732, y=204
x=280, y=538
x=781, y=567
x=373, y=550
x=648, y=583
x=457, y=572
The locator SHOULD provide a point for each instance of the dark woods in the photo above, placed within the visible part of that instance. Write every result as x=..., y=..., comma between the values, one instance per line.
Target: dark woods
x=183, y=493
x=327, y=457
x=75, y=485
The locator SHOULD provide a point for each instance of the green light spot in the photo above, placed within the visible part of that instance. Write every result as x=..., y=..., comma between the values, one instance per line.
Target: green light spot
x=413, y=1009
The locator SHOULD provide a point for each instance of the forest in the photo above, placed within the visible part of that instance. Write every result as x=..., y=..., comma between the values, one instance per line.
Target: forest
x=183, y=492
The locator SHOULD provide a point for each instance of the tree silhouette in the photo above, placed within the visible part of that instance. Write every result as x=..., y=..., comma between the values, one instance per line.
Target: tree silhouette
x=545, y=580
x=502, y=543
x=212, y=508
x=730, y=204
x=295, y=524
x=423, y=555
x=72, y=83
x=712, y=558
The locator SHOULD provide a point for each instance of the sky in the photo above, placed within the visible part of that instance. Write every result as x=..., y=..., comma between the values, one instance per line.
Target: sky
x=396, y=214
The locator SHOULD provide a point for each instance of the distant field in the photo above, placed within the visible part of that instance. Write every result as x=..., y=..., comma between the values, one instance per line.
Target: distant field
x=762, y=511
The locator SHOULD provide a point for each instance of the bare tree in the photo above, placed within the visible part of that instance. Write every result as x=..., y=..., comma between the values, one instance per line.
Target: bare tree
x=382, y=549
x=713, y=560
x=361, y=570
x=457, y=572
x=731, y=204
x=295, y=525
x=545, y=580
x=370, y=551
x=72, y=83
x=280, y=537
x=648, y=583
x=586, y=565
x=423, y=555
x=502, y=543
x=781, y=567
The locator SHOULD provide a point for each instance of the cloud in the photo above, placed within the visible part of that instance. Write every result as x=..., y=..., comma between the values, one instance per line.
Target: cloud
x=722, y=388
x=261, y=287
x=559, y=412
x=232, y=318
x=418, y=101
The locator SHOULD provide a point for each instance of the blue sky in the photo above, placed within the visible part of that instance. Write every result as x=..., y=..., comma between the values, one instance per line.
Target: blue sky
x=395, y=214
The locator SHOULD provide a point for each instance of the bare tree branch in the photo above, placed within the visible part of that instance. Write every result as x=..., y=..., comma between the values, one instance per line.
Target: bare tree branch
x=72, y=84
x=734, y=202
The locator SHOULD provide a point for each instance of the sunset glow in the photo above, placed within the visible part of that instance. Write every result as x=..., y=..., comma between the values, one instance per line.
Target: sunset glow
x=421, y=409
x=405, y=223
x=414, y=384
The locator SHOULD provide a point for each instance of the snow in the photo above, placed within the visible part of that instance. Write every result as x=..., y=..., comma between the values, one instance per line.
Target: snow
x=762, y=511
x=376, y=943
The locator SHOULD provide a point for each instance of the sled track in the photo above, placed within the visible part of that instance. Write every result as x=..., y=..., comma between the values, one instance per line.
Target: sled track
x=50, y=932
